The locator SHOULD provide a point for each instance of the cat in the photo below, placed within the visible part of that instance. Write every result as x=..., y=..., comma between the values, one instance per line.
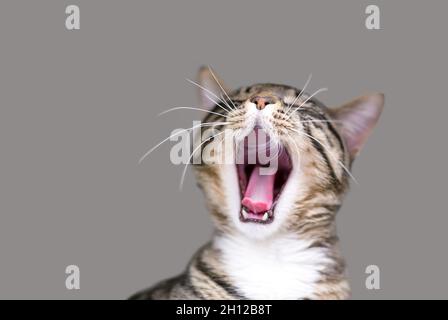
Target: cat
x=275, y=236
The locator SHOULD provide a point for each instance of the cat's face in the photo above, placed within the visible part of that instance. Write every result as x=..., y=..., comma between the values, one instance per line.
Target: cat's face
x=291, y=156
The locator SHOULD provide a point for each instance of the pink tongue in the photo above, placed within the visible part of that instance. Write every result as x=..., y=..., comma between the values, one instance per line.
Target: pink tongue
x=259, y=192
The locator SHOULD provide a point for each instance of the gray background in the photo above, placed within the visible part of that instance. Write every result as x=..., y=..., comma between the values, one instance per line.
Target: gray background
x=78, y=109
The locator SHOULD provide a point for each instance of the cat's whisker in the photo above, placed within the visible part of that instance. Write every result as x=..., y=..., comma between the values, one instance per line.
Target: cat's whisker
x=224, y=91
x=234, y=110
x=217, y=103
x=222, y=98
x=190, y=108
x=279, y=149
x=191, y=157
x=329, y=152
x=200, y=125
x=331, y=121
x=307, y=99
x=300, y=93
x=208, y=91
x=295, y=144
x=317, y=121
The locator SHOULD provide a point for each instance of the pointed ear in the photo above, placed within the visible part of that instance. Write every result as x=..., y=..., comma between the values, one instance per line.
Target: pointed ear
x=213, y=87
x=357, y=119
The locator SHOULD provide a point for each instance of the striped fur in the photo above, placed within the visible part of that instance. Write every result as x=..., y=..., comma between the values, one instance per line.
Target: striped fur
x=297, y=256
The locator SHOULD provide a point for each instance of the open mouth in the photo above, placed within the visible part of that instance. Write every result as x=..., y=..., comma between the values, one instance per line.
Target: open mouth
x=261, y=178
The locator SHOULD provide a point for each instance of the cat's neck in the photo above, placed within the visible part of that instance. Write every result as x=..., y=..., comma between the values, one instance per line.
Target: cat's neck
x=282, y=267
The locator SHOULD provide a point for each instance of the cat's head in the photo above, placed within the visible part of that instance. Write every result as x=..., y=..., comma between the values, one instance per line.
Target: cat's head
x=309, y=147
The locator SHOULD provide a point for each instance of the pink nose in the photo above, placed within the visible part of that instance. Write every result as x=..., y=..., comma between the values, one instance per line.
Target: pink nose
x=262, y=101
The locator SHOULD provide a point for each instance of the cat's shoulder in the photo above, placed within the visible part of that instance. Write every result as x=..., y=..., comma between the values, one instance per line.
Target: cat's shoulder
x=159, y=291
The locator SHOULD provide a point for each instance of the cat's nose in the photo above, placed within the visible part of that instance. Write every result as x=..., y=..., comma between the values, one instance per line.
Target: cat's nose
x=262, y=101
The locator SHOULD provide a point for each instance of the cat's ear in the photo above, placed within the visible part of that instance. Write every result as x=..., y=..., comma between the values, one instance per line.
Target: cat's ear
x=212, y=88
x=357, y=118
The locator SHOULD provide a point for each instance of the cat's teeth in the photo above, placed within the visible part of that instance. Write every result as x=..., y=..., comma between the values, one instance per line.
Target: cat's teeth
x=265, y=216
x=244, y=212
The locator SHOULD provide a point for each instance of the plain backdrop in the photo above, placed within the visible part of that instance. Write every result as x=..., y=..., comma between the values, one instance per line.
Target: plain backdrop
x=79, y=108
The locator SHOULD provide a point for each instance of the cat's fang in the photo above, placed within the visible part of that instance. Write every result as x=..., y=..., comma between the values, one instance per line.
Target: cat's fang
x=244, y=213
x=265, y=216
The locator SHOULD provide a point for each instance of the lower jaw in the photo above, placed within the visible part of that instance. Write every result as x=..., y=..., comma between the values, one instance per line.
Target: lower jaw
x=246, y=215
x=259, y=218
x=266, y=217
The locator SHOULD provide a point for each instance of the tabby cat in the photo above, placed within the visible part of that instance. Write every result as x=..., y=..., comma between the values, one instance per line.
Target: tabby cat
x=274, y=235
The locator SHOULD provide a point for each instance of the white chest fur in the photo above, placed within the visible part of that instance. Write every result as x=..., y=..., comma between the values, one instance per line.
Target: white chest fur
x=280, y=268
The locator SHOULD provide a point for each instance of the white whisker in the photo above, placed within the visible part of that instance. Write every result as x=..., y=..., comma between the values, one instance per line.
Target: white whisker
x=225, y=93
x=206, y=90
x=308, y=99
x=217, y=103
x=206, y=124
x=191, y=156
x=300, y=93
x=190, y=108
x=329, y=151
x=293, y=141
x=279, y=149
x=329, y=121
x=297, y=148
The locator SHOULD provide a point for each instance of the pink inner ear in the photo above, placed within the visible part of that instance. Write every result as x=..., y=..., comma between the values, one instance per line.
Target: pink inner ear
x=358, y=118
